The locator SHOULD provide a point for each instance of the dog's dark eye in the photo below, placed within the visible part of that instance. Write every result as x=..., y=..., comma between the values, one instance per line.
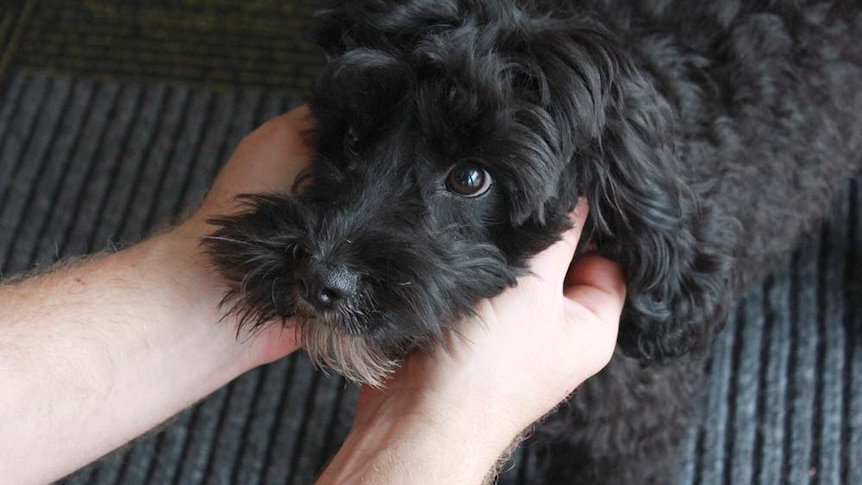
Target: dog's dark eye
x=468, y=180
x=352, y=139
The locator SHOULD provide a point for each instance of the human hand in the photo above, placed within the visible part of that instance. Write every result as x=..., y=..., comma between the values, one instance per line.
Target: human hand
x=267, y=160
x=502, y=370
x=528, y=348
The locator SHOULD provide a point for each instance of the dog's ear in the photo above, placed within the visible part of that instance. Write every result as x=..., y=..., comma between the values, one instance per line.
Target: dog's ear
x=643, y=214
x=618, y=132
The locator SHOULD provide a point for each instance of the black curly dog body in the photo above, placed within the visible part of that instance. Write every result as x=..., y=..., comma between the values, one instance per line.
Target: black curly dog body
x=454, y=137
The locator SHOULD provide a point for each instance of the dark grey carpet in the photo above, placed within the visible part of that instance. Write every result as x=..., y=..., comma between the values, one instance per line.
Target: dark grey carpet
x=85, y=164
x=225, y=43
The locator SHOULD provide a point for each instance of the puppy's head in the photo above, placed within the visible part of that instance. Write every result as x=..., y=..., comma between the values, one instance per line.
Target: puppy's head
x=452, y=140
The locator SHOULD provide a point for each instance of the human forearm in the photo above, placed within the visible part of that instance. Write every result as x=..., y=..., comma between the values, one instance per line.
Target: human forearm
x=406, y=442
x=96, y=354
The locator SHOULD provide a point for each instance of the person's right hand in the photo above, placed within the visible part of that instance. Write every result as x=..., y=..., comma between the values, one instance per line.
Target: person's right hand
x=528, y=348
x=447, y=416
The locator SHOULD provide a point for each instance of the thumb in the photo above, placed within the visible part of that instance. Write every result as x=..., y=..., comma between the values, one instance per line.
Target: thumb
x=597, y=284
x=553, y=263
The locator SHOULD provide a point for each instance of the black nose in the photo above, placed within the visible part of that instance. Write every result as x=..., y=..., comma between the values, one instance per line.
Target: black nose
x=324, y=285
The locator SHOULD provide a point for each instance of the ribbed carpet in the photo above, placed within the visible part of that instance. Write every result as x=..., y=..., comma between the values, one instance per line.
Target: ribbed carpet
x=86, y=163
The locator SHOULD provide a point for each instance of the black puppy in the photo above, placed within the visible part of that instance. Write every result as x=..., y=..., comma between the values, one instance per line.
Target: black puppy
x=454, y=137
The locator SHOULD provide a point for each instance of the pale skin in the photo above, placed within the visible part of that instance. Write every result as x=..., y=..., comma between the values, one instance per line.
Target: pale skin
x=99, y=352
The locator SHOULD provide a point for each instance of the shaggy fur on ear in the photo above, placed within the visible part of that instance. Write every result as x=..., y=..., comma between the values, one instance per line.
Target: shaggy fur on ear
x=616, y=133
x=676, y=252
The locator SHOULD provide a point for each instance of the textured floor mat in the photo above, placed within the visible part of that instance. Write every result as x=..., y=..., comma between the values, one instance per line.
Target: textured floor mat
x=262, y=44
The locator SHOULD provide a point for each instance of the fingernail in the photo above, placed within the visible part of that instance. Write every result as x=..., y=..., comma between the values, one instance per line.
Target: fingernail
x=581, y=208
x=582, y=203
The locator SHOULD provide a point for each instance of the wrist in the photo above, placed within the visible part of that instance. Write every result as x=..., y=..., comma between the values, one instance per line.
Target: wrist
x=409, y=437
x=192, y=289
x=106, y=349
x=185, y=315
x=201, y=288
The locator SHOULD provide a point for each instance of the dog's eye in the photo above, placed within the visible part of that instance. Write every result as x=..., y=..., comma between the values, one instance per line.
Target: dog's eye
x=352, y=139
x=468, y=180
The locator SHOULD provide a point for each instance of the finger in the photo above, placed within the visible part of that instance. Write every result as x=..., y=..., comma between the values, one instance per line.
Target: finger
x=276, y=152
x=597, y=284
x=553, y=263
x=266, y=161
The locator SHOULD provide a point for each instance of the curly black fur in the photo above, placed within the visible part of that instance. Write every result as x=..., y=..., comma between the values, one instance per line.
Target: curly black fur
x=706, y=136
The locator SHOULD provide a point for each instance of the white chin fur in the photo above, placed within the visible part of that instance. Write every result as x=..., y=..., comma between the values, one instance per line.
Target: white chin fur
x=348, y=355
